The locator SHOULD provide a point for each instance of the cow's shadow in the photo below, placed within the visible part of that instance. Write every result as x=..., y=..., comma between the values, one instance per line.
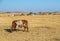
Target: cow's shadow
x=9, y=30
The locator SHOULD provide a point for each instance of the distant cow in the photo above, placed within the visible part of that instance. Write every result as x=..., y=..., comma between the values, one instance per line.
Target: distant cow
x=19, y=23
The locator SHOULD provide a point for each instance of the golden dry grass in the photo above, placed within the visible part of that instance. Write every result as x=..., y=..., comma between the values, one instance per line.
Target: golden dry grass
x=41, y=28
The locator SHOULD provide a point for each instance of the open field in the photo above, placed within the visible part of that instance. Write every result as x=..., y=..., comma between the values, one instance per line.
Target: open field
x=41, y=28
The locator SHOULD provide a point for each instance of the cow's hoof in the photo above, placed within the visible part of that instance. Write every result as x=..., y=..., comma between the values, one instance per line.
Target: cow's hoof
x=27, y=31
x=23, y=30
x=11, y=32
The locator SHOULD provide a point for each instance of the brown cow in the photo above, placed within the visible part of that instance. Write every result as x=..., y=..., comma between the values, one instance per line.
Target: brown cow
x=19, y=23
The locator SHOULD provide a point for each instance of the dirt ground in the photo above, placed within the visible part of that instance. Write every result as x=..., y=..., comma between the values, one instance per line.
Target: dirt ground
x=41, y=28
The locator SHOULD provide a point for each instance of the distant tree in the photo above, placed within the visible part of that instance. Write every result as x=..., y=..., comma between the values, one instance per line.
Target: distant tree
x=54, y=13
x=22, y=14
x=8, y=12
x=30, y=13
x=39, y=12
x=49, y=13
x=35, y=13
x=17, y=15
x=44, y=13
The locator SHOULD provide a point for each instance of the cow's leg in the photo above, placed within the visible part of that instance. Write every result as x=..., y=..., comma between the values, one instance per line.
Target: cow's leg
x=12, y=29
x=25, y=27
x=16, y=28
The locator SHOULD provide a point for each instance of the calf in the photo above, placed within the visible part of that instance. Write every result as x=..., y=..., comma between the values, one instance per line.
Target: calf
x=21, y=23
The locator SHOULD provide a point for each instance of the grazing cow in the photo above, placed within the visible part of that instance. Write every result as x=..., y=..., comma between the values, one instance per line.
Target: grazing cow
x=19, y=23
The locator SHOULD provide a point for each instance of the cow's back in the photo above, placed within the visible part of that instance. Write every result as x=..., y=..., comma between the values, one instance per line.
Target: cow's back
x=25, y=22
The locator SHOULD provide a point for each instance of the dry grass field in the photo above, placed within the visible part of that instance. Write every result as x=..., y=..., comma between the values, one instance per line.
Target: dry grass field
x=41, y=28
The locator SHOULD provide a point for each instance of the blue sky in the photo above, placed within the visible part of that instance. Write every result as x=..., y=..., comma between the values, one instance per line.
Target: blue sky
x=30, y=5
